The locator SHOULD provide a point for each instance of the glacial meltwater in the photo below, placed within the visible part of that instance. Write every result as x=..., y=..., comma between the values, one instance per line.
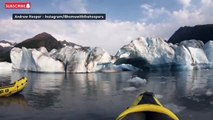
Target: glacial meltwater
x=103, y=96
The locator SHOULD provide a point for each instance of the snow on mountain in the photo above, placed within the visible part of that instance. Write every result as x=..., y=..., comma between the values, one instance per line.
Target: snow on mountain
x=4, y=43
x=66, y=43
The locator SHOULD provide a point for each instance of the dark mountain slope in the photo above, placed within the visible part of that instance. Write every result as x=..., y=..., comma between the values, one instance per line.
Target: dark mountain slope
x=198, y=32
x=43, y=39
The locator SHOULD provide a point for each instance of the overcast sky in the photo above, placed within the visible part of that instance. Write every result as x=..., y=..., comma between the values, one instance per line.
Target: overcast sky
x=126, y=20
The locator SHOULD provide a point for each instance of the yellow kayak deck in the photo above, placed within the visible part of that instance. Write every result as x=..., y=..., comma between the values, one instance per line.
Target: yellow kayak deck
x=13, y=88
x=146, y=106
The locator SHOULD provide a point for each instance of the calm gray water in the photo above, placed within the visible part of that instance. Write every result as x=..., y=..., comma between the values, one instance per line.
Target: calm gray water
x=102, y=96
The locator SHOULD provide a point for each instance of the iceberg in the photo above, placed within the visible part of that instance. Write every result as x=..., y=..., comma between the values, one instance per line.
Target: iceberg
x=155, y=53
x=34, y=60
x=146, y=51
x=52, y=52
x=153, y=50
x=190, y=58
x=97, y=56
x=16, y=57
x=83, y=59
x=182, y=57
x=208, y=48
x=198, y=56
x=44, y=63
x=73, y=59
x=43, y=50
x=5, y=66
x=140, y=54
x=67, y=59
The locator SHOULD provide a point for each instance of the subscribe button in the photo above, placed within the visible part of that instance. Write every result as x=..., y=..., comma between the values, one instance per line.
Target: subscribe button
x=17, y=5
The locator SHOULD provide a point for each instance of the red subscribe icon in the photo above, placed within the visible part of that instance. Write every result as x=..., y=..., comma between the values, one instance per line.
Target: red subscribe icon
x=17, y=5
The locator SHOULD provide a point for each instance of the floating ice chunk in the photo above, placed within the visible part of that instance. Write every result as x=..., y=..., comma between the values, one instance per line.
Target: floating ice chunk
x=158, y=96
x=209, y=92
x=127, y=67
x=110, y=67
x=137, y=81
x=129, y=89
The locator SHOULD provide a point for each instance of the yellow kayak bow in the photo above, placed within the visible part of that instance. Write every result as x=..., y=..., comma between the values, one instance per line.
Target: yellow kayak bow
x=147, y=107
